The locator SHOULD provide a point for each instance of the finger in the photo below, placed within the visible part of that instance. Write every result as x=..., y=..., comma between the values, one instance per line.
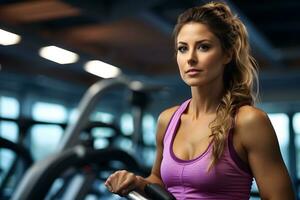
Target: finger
x=125, y=185
x=121, y=174
x=116, y=180
x=109, y=187
x=110, y=182
x=128, y=184
x=126, y=190
x=119, y=177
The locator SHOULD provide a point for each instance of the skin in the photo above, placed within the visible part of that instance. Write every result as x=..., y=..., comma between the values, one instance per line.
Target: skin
x=200, y=50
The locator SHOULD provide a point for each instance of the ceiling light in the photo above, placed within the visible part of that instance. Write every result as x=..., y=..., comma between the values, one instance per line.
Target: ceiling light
x=8, y=38
x=101, y=69
x=58, y=55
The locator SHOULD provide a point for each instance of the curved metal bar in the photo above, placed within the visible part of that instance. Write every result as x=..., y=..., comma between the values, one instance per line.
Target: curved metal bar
x=86, y=105
x=40, y=176
x=153, y=191
x=18, y=149
x=135, y=196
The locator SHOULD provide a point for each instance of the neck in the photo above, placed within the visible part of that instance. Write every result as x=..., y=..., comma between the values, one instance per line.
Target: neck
x=205, y=100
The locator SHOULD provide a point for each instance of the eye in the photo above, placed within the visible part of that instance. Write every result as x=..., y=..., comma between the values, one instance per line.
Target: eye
x=203, y=47
x=182, y=49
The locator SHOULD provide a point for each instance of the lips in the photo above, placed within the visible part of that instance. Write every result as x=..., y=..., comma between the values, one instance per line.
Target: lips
x=193, y=71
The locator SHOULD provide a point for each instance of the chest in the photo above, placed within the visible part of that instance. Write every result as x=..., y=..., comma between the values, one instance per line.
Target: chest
x=191, y=138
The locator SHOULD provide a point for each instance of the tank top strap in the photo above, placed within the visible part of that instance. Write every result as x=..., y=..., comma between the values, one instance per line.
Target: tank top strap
x=175, y=119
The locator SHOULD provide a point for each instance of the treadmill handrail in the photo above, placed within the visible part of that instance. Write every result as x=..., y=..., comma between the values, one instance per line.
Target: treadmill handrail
x=18, y=149
x=86, y=105
x=40, y=176
x=153, y=191
x=136, y=196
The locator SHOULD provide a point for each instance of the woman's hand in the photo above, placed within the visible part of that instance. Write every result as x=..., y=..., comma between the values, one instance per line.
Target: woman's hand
x=122, y=182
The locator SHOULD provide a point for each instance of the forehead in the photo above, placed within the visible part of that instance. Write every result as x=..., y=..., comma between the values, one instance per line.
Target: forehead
x=195, y=31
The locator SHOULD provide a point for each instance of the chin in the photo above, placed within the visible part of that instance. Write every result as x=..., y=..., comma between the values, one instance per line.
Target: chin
x=194, y=83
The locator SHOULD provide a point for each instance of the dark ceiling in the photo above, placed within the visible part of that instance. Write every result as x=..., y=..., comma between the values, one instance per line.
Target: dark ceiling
x=136, y=37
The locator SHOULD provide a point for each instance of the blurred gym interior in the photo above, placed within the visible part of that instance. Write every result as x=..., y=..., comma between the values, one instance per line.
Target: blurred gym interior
x=53, y=95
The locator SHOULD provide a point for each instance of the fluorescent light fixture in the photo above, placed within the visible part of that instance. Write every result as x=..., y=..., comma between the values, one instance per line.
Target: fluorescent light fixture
x=8, y=38
x=58, y=55
x=101, y=69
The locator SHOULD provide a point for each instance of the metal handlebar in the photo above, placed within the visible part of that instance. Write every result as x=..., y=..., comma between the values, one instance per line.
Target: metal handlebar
x=136, y=196
x=86, y=105
x=153, y=191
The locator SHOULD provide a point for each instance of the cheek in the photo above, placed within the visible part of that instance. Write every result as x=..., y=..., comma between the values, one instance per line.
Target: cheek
x=180, y=64
x=212, y=62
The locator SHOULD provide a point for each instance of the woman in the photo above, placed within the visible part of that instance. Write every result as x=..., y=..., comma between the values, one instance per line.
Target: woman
x=214, y=144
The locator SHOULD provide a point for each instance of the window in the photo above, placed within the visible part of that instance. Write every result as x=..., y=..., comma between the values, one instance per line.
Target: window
x=296, y=123
x=44, y=139
x=101, y=143
x=103, y=117
x=9, y=107
x=9, y=130
x=280, y=122
x=148, y=127
x=296, y=126
x=126, y=124
x=101, y=135
x=49, y=112
x=96, y=116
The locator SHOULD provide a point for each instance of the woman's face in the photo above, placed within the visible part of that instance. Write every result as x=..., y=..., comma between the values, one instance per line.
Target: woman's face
x=200, y=57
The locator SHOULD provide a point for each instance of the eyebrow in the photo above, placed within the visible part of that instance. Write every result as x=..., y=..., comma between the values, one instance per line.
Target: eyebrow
x=197, y=42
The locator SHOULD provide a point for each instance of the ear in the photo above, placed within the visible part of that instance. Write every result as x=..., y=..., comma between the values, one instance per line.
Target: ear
x=227, y=57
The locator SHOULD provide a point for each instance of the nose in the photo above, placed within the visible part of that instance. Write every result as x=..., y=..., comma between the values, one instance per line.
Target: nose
x=192, y=58
x=192, y=61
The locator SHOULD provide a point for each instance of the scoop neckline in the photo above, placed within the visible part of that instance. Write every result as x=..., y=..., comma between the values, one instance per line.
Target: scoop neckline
x=174, y=133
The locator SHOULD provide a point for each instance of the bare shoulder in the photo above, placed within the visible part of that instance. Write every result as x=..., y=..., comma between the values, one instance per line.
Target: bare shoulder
x=250, y=116
x=166, y=115
x=253, y=126
x=163, y=121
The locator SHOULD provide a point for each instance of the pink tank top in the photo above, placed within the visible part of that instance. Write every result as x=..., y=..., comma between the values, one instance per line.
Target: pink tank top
x=229, y=179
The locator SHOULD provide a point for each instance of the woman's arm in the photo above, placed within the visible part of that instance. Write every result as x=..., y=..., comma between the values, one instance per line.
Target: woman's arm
x=259, y=140
x=163, y=121
x=122, y=182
